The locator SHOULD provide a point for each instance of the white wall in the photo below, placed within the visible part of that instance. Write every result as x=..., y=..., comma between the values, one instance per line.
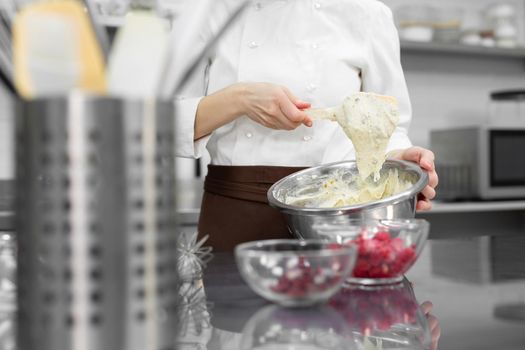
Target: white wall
x=445, y=89
x=449, y=90
x=468, y=7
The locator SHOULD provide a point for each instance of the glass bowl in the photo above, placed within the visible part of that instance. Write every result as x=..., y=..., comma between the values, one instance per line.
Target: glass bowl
x=295, y=272
x=386, y=248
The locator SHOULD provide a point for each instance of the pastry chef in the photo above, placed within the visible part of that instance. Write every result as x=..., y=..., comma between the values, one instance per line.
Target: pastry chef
x=246, y=108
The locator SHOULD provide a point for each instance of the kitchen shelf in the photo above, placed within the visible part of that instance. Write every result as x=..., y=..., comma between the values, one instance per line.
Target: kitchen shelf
x=462, y=50
x=489, y=206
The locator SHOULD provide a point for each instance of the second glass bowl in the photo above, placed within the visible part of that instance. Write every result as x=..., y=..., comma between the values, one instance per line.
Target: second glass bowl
x=386, y=248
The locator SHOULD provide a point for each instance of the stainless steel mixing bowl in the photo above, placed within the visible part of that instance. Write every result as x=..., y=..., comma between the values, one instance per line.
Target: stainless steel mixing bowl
x=305, y=222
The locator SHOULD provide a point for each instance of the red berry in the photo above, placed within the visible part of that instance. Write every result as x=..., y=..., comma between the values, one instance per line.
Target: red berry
x=382, y=256
x=382, y=236
x=301, y=278
x=334, y=246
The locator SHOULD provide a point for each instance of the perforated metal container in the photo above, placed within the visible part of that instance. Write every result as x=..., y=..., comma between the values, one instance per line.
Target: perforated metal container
x=95, y=222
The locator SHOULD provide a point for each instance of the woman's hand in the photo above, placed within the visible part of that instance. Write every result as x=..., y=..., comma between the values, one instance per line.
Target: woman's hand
x=273, y=106
x=433, y=324
x=425, y=159
x=270, y=105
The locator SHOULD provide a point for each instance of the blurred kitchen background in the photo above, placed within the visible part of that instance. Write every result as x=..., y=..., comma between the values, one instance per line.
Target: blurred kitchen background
x=455, y=54
x=453, y=59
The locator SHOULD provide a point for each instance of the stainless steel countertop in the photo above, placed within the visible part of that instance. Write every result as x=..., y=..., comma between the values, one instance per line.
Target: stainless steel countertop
x=237, y=310
x=481, y=314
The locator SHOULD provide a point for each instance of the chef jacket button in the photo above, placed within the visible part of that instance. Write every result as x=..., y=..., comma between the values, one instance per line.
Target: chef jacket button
x=315, y=46
x=307, y=138
x=317, y=6
x=253, y=44
x=258, y=6
x=249, y=135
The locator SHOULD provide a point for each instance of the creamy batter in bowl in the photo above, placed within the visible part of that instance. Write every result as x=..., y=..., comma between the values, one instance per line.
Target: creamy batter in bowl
x=303, y=219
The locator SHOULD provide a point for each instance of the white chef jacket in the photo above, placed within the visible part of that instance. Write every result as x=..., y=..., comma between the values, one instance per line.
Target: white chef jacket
x=322, y=50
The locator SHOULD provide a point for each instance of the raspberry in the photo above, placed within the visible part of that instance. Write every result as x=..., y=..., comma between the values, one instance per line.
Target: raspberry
x=382, y=236
x=382, y=256
x=301, y=278
x=334, y=246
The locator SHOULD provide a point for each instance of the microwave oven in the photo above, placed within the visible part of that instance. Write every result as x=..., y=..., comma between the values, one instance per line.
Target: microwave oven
x=479, y=163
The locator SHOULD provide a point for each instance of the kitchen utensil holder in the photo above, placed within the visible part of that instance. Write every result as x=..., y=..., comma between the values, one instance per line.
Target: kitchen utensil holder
x=96, y=224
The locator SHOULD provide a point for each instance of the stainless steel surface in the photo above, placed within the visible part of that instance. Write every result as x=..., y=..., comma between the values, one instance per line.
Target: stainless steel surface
x=462, y=50
x=439, y=207
x=7, y=290
x=240, y=319
x=471, y=316
x=302, y=221
x=7, y=196
x=457, y=162
x=297, y=328
x=507, y=109
x=7, y=220
x=464, y=162
x=96, y=224
x=6, y=51
x=483, y=260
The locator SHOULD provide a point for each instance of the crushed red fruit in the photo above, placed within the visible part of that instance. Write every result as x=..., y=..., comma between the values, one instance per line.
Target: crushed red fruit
x=382, y=256
x=379, y=309
x=301, y=279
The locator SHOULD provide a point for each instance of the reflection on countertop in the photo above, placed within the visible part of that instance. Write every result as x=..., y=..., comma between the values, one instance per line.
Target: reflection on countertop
x=355, y=318
x=473, y=313
x=460, y=276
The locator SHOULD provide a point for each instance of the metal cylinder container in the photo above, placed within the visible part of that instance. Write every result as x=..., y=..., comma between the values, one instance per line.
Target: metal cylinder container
x=96, y=224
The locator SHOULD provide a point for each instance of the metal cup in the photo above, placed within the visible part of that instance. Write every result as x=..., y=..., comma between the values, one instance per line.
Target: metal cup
x=96, y=224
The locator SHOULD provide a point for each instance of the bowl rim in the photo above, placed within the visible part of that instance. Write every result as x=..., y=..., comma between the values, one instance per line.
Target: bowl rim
x=408, y=193
x=422, y=233
x=368, y=221
x=246, y=249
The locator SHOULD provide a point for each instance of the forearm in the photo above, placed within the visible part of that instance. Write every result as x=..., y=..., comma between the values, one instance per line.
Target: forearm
x=218, y=109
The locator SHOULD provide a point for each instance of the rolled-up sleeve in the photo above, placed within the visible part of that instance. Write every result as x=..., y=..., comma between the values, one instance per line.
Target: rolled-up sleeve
x=383, y=74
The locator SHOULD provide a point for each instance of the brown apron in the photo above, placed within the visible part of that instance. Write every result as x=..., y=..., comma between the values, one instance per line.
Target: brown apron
x=235, y=207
